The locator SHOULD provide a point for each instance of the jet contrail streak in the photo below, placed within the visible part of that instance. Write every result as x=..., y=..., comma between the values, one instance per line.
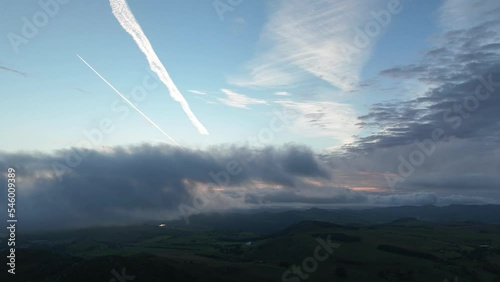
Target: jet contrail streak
x=13, y=70
x=130, y=103
x=127, y=20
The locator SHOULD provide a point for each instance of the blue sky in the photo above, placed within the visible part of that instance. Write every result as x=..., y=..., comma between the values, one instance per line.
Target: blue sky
x=59, y=97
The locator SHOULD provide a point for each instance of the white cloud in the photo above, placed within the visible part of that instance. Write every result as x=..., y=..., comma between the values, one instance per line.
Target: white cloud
x=305, y=38
x=461, y=14
x=323, y=119
x=282, y=93
x=237, y=100
x=197, y=92
x=206, y=101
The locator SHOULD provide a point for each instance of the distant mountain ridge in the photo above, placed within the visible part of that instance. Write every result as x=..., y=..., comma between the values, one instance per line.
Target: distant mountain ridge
x=273, y=221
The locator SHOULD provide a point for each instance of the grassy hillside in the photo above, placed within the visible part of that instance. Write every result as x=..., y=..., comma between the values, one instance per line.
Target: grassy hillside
x=406, y=249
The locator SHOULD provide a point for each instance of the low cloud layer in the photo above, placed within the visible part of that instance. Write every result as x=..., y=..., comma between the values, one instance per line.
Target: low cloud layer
x=143, y=183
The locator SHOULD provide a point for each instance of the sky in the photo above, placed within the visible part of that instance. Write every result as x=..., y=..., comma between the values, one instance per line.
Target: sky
x=135, y=110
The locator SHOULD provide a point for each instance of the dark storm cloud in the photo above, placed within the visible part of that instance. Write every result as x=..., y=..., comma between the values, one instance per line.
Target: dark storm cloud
x=270, y=164
x=457, y=182
x=463, y=97
x=143, y=182
x=461, y=104
x=299, y=161
x=128, y=185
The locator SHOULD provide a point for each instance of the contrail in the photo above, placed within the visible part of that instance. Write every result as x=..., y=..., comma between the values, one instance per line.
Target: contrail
x=127, y=20
x=13, y=70
x=130, y=103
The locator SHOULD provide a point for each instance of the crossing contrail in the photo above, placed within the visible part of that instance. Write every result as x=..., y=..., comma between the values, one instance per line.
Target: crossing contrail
x=127, y=20
x=130, y=103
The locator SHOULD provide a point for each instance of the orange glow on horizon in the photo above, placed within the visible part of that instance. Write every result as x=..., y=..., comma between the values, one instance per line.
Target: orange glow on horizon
x=372, y=189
